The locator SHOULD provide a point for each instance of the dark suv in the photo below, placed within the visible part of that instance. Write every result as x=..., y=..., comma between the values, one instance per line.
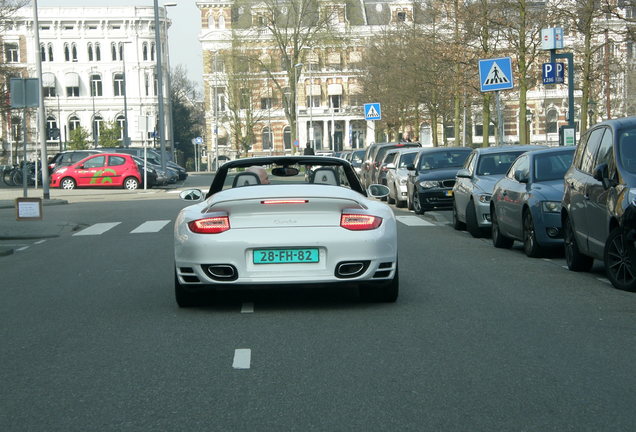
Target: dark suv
x=597, y=210
x=372, y=158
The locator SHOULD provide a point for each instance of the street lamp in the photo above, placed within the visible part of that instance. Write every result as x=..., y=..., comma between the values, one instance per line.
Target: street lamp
x=161, y=131
x=297, y=111
x=123, y=65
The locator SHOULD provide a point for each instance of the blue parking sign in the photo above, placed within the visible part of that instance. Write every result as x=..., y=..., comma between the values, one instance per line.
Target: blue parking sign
x=372, y=111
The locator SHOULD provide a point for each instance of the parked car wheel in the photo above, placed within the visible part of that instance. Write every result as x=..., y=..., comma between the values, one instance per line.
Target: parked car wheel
x=409, y=202
x=184, y=297
x=618, y=263
x=385, y=292
x=417, y=205
x=131, y=183
x=389, y=199
x=498, y=239
x=575, y=260
x=471, y=221
x=67, y=183
x=457, y=224
x=530, y=245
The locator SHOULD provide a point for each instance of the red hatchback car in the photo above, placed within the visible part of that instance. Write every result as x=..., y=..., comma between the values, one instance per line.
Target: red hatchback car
x=99, y=170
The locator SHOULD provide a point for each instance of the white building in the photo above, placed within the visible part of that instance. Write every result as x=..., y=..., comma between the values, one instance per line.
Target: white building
x=98, y=65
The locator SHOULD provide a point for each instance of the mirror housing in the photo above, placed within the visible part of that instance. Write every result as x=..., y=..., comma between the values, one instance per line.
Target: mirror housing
x=410, y=167
x=463, y=173
x=191, y=195
x=601, y=173
x=521, y=176
x=378, y=190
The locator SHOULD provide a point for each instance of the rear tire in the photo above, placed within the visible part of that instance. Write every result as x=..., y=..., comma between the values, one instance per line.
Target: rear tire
x=575, y=260
x=184, y=297
x=619, y=266
x=382, y=292
x=498, y=239
x=131, y=183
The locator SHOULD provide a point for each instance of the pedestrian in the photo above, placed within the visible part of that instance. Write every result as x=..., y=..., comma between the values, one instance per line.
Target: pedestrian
x=309, y=151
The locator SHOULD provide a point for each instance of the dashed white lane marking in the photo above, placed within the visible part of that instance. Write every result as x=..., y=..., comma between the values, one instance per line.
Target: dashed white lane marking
x=247, y=308
x=242, y=358
x=39, y=242
x=150, y=226
x=413, y=221
x=97, y=229
x=22, y=249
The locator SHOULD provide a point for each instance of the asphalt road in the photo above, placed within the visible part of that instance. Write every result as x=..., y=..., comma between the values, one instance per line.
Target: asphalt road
x=481, y=339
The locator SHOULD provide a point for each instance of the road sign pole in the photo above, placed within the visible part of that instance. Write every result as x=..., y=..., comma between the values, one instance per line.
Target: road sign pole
x=500, y=125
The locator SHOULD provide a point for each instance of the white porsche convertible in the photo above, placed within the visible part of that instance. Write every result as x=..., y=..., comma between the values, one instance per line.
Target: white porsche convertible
x=298, y=220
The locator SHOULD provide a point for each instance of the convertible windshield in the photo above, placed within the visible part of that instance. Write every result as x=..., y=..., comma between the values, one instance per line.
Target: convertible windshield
x=268, y=174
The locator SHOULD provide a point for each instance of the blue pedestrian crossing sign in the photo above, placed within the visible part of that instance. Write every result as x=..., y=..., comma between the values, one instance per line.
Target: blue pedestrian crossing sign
x=495, y=74
x=372, y=111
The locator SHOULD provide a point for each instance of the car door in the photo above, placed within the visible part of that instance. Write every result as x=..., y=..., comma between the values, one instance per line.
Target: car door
x=576, y=183
x=89, y=172
x=116, y=170
x=464, y=187
x=516, y=196
x=597, y=213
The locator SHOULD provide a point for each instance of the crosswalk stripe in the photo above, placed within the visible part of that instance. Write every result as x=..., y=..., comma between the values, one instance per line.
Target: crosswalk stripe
x=150, y=226
x=97, y=229
x=413, y=221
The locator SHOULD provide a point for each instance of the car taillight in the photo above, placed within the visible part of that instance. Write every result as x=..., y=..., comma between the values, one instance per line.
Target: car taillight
x=285, y=201
x=359, y=222
x=211, y=225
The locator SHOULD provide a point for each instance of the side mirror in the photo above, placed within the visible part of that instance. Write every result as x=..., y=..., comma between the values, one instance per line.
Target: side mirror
x=521, y=176
x=463, y=173
x=191, y=195
x=378, y=190
x=390, y=166
x=601, y=173
x=410, y=167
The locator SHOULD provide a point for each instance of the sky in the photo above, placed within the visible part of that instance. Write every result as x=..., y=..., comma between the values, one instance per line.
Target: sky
x=183, y=41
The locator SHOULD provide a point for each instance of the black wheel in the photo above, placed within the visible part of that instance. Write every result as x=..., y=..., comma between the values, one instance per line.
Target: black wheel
x=131, y=183
x=530, y=245
x=7, y=177
x=384, y=292
x=409, y=203
x=67, y=183
x=498, y=239
x=400, y=203
x=389, y=199
x=417, y=205
x=618, y=262
x=575, y=260
x=457, y=224
x=471, y=220
x=184, y=297
x=17, y=177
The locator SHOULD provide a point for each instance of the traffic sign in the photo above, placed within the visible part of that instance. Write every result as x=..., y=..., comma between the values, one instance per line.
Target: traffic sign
x=552, y=73
x=552, y=38
x=198, y=140
x=495, y=74
x=372, y=111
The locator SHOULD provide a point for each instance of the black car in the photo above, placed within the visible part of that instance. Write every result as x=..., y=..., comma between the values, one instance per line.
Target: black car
x=432, y=176
x=597, y=210
x=69, y=157
x=181, y=172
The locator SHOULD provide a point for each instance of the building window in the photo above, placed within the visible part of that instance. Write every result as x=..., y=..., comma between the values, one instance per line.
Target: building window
x=73, y=123
x=98, y=52
x=67, y=52
x=12, y=53
x=98, y=123
x=245, y=98
x=313, y=101
x=49, y=91
x=287, y=138
x=267, y=138
x=121, y=121
x=401, y=16
x=219, y=92
x=118, y=84
x=218, y=65
x=152, y=51
x=42, y=52
x=90, y=51
x=74, y=52
x=335, y=101
x=52, y=131
x=147, y=84
x=266, y=103
x=96, y=85
x=144, y=51
x=552, y=119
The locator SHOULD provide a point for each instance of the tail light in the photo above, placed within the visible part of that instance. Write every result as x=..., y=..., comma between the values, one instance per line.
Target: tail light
x=285, y=201
x=211, y=225
x=359, y=222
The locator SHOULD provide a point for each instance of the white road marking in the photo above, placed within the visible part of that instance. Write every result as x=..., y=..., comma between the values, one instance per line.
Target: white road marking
x=150, y=226
x=247, y=308
x=22, y=249
x=413, y=221
x=604, y=280
x=97, y=229
x=565, y=267
x=39, y=242
x=242, y=358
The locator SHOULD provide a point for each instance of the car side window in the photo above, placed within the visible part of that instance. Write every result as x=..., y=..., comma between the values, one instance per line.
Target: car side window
x=593, y=142
x=514, y=167
x=605, y=153
x=96, y=162
x=470, y=163
x=627, y=149
x=580, y=150
x=116, y=161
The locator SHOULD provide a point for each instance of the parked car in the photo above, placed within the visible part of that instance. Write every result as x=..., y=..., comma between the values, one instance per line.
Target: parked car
x=475, y=182
x=384, y=168
x=372, y=157
x=397, y=176
x=99, y=170
x=597, y=211
x=154, y=175
x=356, y=157
x=69, y=157
x=526, y=202
x=181, y=172
x=286, y=230
x=431, y=177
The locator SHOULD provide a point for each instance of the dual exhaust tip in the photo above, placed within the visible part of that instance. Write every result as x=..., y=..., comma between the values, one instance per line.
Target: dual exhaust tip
x=344, y=270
